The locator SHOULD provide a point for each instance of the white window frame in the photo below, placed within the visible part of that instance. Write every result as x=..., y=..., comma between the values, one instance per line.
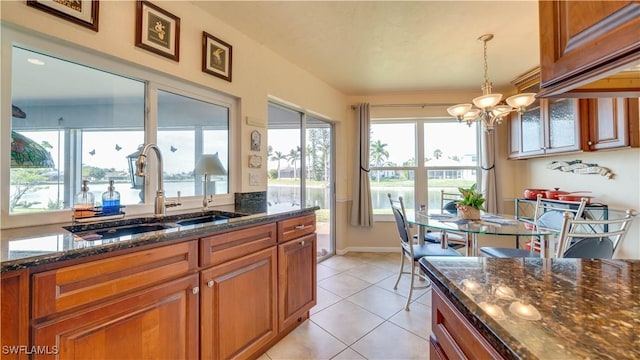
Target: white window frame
x=421, y=170
x=154, y=80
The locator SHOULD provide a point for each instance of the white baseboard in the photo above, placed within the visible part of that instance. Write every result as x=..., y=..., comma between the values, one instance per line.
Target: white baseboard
x=367, y=249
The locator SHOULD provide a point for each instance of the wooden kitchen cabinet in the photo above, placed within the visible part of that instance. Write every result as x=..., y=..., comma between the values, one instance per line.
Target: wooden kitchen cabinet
x=14, y=320
x=141, y=305
x=296, y=279
x=548, y=126
x=238, y=313
x=75, y=286
x=160, y=322
x=231, y=293
x=584, y=40
x=296, y=227
x=611, y=123
x=297, y=244
x=453, y=336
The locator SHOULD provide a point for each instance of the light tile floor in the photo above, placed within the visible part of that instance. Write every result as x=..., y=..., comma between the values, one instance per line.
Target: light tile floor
x=359, y=315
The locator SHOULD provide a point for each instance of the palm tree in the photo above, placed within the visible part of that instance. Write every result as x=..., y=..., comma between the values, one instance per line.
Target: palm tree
x=278, y=156
x=437, y=153
x=378, y=155
x=293, y=156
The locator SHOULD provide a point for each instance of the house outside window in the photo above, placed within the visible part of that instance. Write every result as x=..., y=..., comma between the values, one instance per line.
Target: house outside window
x=417, y=158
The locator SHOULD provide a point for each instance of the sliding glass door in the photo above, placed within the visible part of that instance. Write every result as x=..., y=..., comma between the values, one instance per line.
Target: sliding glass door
x=300, y=151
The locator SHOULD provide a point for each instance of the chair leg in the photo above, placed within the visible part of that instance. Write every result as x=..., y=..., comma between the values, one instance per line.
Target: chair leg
x=413, y=273
x=395, y=287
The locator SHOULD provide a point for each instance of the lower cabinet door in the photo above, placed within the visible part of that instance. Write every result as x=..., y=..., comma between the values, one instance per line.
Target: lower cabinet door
x=14, y=303
x=238, y=306
x=158, y=323
x=297, y=279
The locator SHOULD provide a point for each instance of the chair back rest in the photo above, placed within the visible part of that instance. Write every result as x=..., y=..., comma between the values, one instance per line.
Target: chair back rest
x=448, y=200
x=594, y=238
x=397, y=207
x=549, y=214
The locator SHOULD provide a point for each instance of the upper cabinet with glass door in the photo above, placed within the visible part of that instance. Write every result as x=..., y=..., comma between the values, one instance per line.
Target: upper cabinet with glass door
x=548, y=126
x=552, y=126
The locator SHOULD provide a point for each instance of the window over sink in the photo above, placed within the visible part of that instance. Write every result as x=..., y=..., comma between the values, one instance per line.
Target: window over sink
x=85, y=116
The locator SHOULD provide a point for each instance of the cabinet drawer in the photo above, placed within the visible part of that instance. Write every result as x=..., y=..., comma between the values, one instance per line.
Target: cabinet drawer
x=220, y=248
x=159, y=322
x=293, y=228
x=456, y=338
x=77, y=285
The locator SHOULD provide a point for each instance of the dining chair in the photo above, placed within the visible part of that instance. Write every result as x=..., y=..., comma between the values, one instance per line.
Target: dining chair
x=449, y=238
x=546, y=215
x=411, y=251
x=581, y=238
x=595, y=239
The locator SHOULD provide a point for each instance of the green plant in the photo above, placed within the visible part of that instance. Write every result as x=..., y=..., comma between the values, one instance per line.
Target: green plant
x=471, y=197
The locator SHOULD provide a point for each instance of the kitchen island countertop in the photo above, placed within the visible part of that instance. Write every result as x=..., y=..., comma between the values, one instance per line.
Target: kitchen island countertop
x=580, y=308
x=37, y=245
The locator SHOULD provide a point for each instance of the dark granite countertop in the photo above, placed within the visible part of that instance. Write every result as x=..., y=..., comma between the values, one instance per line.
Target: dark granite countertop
x=580, y=308
x=36, y=245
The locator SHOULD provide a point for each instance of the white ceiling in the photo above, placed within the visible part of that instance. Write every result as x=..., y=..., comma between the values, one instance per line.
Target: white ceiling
x=363, y=47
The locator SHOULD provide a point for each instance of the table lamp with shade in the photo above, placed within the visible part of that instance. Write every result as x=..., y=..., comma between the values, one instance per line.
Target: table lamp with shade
x=208, y=165
x=26, y=153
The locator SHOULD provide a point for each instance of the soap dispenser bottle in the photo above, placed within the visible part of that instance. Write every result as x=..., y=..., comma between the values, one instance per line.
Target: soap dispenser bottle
x=110, y=200
x=84, y=202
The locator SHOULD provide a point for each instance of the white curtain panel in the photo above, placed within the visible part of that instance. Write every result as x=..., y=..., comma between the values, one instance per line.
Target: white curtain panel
x=361, y=208
x=488, y=165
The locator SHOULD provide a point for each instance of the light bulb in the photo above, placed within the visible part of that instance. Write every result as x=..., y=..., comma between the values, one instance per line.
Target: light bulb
x=487, y=101
x=459, y=110
x=521, y=101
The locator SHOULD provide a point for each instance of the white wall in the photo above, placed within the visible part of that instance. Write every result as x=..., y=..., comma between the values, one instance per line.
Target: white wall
x=621, y=192
x=257, y=72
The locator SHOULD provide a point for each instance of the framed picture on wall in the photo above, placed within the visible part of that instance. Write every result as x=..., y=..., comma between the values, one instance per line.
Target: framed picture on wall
x=216, y=56
x=81, y=12
x=157, y=30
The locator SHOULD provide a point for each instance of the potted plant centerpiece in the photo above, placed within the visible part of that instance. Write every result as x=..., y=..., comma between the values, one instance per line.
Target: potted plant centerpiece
x=471, y=203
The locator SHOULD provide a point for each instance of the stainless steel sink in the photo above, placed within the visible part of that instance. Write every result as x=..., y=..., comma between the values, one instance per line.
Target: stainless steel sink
x=133, y=226
x=209, y=217
x=201, y=220
x=123, y=230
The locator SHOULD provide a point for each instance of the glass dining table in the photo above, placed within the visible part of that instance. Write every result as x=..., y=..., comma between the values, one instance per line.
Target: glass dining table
x=489, y=224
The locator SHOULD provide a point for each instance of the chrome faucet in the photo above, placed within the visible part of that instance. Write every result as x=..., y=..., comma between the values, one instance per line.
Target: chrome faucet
x=161, y=203
x=206, y=200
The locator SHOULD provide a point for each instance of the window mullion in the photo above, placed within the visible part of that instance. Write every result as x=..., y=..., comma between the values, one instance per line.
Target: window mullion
x=421, y=184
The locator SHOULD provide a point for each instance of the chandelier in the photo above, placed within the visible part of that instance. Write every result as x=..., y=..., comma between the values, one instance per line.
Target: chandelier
x=487, y=107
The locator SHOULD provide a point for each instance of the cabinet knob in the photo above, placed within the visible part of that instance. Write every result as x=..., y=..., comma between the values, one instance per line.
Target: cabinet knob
x=301, y=242
x=300, y=227
x=210, y=283
x=590, y=143
x=195, y=290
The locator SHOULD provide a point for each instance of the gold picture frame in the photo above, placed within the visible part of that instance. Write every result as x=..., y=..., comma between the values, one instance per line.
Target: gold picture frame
x=216, y=56
x=81, y=12
x=157, y=30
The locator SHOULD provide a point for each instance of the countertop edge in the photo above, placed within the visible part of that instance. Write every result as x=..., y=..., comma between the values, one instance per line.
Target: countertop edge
x=470, y=311
x=148, y=239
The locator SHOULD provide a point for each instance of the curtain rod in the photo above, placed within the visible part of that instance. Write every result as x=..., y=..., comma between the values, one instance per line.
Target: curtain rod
x=406, y=105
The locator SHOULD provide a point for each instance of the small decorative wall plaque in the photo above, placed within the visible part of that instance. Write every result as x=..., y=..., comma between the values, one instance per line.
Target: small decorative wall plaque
x=255, y=161
x=255, y=140
x=578, y=167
